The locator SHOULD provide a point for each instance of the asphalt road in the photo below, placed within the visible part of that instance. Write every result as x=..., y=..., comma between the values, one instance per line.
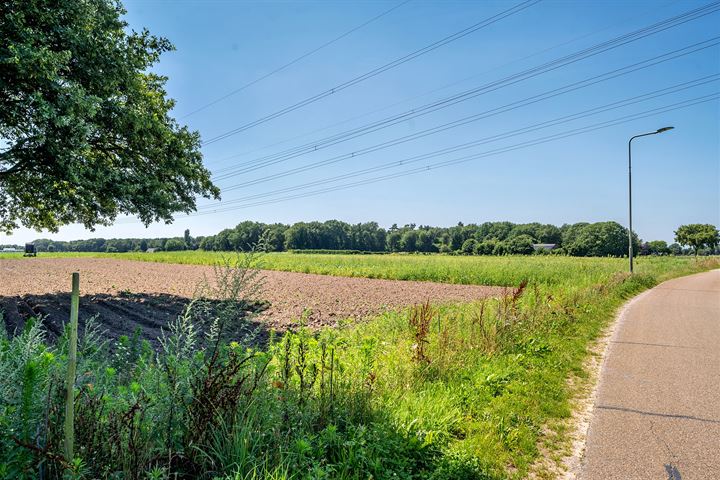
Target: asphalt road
x=657, y=411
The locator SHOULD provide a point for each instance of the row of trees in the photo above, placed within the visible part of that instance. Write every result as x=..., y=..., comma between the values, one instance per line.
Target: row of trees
x=119, y=245
x=329, y=235
x=490, y=238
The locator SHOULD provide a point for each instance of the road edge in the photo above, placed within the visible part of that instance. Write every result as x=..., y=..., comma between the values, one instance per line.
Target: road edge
x=584, y=402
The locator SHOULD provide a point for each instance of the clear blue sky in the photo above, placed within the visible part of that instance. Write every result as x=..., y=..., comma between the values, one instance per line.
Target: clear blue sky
x=222, y=45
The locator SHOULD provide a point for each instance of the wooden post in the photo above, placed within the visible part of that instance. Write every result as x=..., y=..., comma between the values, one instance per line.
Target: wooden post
x=72, y=364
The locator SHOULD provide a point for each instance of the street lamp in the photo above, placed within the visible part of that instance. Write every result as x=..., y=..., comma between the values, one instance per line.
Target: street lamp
x=630, y=248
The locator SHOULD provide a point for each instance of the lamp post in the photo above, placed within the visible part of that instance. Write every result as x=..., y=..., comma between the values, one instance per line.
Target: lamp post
x=630, y=246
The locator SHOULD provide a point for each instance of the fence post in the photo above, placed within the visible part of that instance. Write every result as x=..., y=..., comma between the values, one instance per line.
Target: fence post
x=72, y=364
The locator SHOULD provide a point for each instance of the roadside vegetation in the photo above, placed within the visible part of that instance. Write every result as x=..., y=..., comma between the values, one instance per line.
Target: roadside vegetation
x=455, y=392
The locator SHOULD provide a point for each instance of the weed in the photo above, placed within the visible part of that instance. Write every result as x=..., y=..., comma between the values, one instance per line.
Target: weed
x=420, y=319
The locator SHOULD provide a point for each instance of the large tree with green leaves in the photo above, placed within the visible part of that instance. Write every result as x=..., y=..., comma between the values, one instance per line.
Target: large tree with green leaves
x=601, y=239
x=698, y=235
x=85, y=129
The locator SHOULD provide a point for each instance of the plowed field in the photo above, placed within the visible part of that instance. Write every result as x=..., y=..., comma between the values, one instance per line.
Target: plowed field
x=127, y=294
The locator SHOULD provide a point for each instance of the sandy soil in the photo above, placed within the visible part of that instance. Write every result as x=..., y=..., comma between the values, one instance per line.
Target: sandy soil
x=126, y=294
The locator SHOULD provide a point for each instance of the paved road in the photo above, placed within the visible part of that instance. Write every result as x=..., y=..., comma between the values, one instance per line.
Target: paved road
x=657, y=412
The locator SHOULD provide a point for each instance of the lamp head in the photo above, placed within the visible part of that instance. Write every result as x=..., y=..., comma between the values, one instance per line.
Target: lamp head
x=664, y=129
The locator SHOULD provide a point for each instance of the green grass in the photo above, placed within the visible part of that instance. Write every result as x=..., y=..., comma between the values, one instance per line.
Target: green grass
x=468, y=391
x=478, y=270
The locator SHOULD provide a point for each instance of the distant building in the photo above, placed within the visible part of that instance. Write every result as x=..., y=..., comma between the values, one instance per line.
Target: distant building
x=151, y=250
x=10, y=249
x=544, y=246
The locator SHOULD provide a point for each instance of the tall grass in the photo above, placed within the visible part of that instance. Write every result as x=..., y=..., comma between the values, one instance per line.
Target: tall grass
x=479, y=270
x=452, y=392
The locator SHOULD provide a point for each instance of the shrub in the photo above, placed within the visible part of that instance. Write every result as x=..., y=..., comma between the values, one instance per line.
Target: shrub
x=520, y=245
x=486, y=247
x=468, y=246
x=174, y=245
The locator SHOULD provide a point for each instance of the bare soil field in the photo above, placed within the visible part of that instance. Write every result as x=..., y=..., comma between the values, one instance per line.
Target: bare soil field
x=125, y=295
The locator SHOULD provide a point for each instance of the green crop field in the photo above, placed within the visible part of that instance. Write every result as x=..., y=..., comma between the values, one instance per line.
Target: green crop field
x=479, y=391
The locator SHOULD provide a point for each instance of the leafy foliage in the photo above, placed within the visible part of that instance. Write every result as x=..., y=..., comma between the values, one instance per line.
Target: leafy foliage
x=698, y=236
x=603, y=239
x=85, y=124
x=490, y=238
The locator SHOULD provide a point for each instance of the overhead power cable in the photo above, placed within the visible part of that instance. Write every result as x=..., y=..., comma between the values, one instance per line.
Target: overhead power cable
x=494, y=138
x=418, y=96
x=474, y=92
x=530, y=143
x=482, y=115
x=296, y=60
x=377, y=71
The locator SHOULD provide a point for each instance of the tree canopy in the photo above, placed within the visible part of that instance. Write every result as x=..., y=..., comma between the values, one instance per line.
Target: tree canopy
x=489, y=238
x=601, y=239
x=698, y=235
x=85, y=129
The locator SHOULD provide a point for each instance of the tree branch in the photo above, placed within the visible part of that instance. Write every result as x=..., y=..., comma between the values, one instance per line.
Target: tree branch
x=14, y=169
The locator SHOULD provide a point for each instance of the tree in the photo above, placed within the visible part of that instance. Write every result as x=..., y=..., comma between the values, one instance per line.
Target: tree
x=697, y=236
x=408, y=242
x=549, y=234
x=601, y=239
x=569, y=232
x=296, y=236
x=527, y=229
x=425, y=242
x=393, y=240
x=486, y=247
x=208, y=243
x=189, y=243
x=500, y=248
x=520, y=245
x=658, y=247
x=275, y=237
x=174, y=245
x=85, y=130
x=468, y=246
x=246, y=235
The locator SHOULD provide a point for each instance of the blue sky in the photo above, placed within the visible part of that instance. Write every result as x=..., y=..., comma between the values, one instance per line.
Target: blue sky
x=222, y=45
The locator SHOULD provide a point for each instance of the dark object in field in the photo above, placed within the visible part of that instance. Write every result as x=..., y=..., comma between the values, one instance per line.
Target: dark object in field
x=121, y=314
x=30, y=250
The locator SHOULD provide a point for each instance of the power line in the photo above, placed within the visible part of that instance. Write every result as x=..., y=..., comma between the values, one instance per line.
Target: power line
x=482, y=115
x=559, y=136
x=377, y=71
x=477, y=91
x=296, y=60
x=464, y=146
x=426, y=93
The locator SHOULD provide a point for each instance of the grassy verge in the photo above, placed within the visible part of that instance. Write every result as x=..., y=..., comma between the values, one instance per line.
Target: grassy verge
x=458, y=392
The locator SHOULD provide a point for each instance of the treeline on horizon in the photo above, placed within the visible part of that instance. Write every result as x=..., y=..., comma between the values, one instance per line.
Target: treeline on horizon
x=489, y=238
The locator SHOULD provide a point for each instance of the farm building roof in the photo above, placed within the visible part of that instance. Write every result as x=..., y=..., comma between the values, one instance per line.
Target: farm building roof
x=544, y=246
